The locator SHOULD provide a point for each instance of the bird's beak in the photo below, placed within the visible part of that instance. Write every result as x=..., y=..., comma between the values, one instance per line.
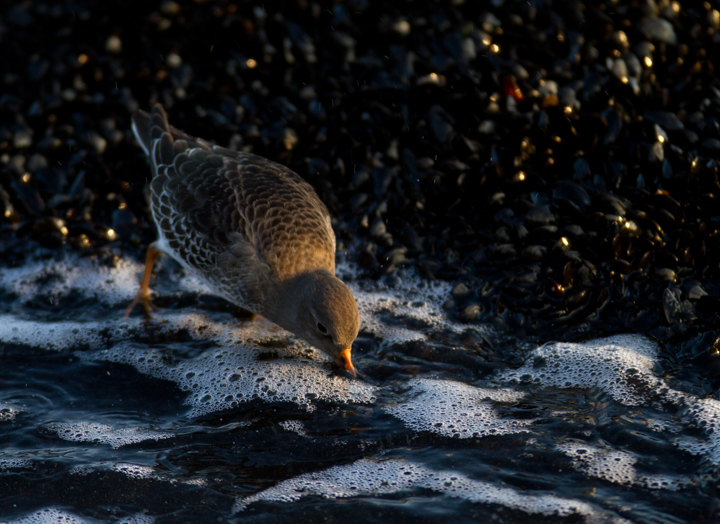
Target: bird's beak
x=343, y=360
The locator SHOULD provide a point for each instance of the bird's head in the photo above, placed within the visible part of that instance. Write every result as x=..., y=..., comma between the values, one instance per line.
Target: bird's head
x=324, y=313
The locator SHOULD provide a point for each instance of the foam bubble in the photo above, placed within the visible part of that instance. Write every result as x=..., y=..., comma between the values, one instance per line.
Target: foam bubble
x=659, y=426
x=454, y=409
x=294, y=426
x=386, y=311
x=135, y=471
x=705, y=414
x=612, y=465
x=14, y=463
x=55, y=336
x=111, y=285
x=56, y=516
x=382, y=477
x=104, y=433
x=68, y=335
x=615, y=466
x=82, y=470
x=620, y=365
x=8, y=412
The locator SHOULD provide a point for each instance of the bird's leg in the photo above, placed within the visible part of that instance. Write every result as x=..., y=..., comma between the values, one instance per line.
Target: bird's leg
x=143, y=295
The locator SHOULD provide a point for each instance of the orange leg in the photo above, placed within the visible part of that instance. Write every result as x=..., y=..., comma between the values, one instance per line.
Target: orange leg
x=143, y=295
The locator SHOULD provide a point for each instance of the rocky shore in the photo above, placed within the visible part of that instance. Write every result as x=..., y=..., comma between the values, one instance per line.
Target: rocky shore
x=557, y=159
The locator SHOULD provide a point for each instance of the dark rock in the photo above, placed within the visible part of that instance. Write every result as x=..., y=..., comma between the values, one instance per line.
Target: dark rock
x=441, y=124
x=534, y=253
x=582, y=170
x=659, y=30
x=540, y=215
x=665, y=119
x=711, y=145
x=382, y=177
x=609, y=203
x=574, y=194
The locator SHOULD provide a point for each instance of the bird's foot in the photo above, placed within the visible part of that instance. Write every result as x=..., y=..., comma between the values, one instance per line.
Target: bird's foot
x=144, y=300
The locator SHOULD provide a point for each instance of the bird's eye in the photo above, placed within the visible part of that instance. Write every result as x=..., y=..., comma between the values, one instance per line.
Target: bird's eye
x=322, y=328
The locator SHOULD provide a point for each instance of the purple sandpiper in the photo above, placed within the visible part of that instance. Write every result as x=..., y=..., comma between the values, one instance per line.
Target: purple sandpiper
x=252, y=230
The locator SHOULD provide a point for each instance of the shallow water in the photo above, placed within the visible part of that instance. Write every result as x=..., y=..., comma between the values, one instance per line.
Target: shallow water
x=198, y=415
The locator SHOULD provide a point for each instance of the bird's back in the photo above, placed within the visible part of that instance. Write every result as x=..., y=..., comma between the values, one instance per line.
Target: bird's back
x=237, y=219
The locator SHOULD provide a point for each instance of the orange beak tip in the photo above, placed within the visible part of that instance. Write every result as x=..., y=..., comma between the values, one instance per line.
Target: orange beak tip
x=351, y=369
x=345, y=362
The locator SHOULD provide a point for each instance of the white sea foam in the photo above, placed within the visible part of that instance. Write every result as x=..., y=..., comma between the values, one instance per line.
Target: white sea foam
x=56, y=336
x=454, y=409
x=233, y=372
x=112, y=285
x=14, y=463
x=382, y=477
x=104, y=433
x=386, y=312
x=134, y=471
x=222, y=377
x=57, y=516
x=257, y=360
x=705, y=413
x=294, y=426
x=616, y=466
x=621, y=366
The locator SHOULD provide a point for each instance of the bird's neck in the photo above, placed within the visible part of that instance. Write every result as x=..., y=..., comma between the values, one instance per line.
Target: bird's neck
x=291, y=298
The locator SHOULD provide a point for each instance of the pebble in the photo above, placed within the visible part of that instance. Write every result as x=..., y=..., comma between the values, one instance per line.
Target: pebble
x=470, y=313
x=534, y=253
x=665, y=119
x=582, y=170
x=711, y=145
x=574, y=194
x=97, y=142
x=460, y=290
x=22, y=139
x=540, y=215
x=659, y=30
x=666, y=275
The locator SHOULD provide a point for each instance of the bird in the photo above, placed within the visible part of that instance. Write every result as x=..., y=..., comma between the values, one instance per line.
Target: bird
x=251, y=229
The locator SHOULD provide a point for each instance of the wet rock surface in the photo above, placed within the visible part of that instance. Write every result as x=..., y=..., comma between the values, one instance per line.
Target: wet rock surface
x=559, y=159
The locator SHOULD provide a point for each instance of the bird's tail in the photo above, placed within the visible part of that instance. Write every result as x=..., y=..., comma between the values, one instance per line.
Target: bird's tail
x=148, y=127
x=161, y=141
